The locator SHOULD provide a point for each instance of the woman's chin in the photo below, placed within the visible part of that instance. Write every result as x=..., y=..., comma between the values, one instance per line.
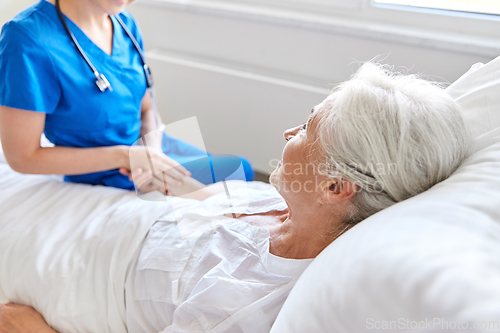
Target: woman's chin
x=116, y=7
x=272, y=179
x=120, y=3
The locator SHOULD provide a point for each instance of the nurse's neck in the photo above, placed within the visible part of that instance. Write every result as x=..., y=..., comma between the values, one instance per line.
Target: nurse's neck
x=88, y=15
x=93, y=19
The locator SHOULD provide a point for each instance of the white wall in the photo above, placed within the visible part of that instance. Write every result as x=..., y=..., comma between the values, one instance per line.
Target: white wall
x=201, y=56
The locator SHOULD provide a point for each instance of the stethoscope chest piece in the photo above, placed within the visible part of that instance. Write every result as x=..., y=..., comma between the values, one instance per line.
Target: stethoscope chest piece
x=149, y=76
x=102, y=83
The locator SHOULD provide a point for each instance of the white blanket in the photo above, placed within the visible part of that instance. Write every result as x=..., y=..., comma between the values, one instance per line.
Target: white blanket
x=63, y=242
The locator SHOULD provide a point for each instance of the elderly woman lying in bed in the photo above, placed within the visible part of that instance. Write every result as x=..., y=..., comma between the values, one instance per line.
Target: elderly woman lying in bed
x=380, y=138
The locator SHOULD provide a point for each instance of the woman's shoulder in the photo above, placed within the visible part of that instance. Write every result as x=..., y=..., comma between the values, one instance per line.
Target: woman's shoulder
x=26, y=14
x=127, y=18
x=32, y=24
x=131, y=23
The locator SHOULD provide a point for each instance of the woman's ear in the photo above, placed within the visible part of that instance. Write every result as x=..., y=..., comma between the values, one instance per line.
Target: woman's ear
x=337, y=190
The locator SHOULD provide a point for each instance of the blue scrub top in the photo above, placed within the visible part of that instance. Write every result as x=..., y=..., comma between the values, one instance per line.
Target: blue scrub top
x=41, y=70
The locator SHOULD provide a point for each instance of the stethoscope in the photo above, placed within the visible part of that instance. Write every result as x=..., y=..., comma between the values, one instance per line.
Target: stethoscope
x=102, y=82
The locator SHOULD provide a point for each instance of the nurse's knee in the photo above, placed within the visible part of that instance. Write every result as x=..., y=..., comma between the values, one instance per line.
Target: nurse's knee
x=231, y=167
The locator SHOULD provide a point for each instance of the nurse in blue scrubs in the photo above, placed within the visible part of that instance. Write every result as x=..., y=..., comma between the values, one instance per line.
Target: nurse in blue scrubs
x=46, y=86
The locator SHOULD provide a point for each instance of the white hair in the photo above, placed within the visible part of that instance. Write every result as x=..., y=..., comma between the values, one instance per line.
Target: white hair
x=393, y=135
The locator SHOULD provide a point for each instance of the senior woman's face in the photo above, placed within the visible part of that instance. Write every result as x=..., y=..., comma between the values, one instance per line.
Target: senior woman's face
x=297, y=174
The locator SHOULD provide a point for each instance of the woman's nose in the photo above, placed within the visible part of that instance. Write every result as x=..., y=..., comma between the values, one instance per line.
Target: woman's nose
x=291, y=132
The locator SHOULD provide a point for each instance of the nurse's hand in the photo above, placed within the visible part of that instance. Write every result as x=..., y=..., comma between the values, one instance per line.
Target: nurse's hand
x=16, y=318
x=145, y=182
x=150, y=169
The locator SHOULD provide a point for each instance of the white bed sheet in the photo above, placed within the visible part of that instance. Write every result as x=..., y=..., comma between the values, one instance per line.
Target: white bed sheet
x=70, y=242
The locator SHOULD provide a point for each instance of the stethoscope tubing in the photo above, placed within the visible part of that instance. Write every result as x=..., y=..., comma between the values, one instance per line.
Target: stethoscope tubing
x=102, y=82
x=147, y=70
x=75, y=41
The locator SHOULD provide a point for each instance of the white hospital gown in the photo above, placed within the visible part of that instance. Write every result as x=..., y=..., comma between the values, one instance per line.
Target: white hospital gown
x=219, y=279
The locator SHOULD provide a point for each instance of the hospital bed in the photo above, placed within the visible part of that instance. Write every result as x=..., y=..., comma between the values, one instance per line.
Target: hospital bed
x=427, y=264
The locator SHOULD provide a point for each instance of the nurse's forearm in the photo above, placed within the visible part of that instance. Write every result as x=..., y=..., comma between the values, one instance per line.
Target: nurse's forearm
x=153, y=138
x=71, y=161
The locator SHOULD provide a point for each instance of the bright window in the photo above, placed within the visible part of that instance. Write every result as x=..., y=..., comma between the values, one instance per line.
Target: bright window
x=474, y=6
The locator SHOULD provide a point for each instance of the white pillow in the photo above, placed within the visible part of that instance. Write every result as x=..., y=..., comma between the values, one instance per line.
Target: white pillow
x=429, y=263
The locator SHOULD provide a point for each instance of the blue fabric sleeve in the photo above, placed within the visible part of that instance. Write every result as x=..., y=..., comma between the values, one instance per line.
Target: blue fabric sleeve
x=28, y=79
